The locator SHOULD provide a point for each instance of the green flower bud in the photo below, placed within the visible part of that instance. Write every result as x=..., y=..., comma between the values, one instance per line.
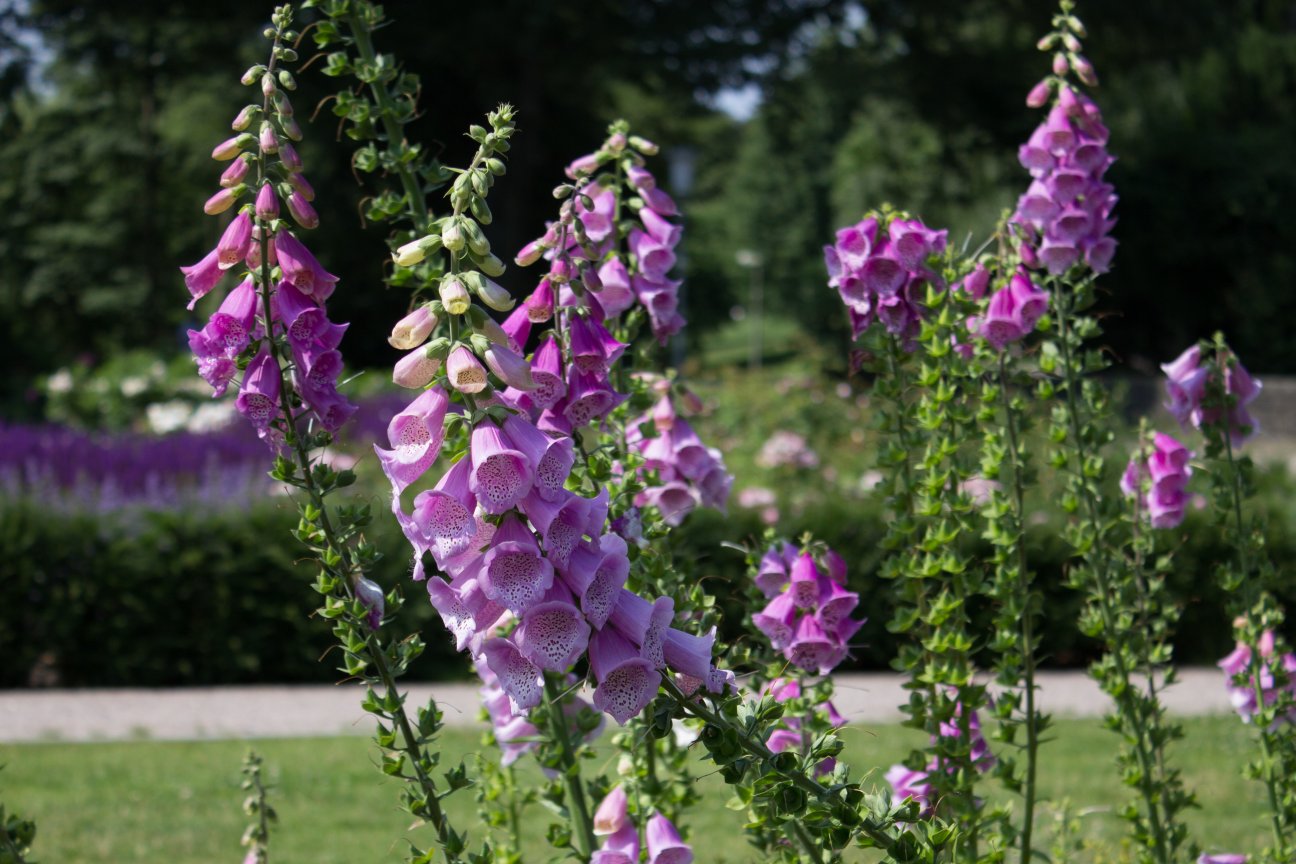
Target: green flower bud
x=287, y=80
x=452, y=236
x=491, y=265
x=252, y=75
x=409, y=254
x=480, y=210
x=477, y=241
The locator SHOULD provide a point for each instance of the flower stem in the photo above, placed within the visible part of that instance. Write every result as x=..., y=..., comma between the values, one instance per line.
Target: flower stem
x=576, y=804
x=1027, y=622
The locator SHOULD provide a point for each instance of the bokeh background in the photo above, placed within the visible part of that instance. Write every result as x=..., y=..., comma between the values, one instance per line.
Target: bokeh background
x=136, y=531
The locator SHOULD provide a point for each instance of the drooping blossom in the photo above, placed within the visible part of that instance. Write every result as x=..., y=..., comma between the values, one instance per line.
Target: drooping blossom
x=1244, y=676
x=880, y=271
x=808, y=616
x=1189, y=380
x=1159, y=481
x=689, y=473
x=918, y=784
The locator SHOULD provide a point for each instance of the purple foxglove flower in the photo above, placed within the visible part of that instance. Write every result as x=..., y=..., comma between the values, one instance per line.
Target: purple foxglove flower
x=415, y=370
x=621, y=847
x=520, y=678
x=317, y=371
x=517, y=327
x=235, y=241
x=553, y=635
x=1239, y=384
x=301, y=316
x=1031, y=302
x=589, y=397
x=223, y=200
x=1065, y=185
x=644, y=623
x=516, y=737
x=777, y=621
x=609, y=577
x=465, y=372
x=1039, y=95
x=552, y=457
x=290, y=158
x=1002, y=322
x=715, y=486
x=514, y=571
x=1185, y=384
x=530, y=253
x=772, y=574
x=616, y=295
x=1099, y=255
x=1059, y=135
x=415, y=435
x=1166, y=506
x=659, y=201
x=784, y=739
x=673, y=500
x=302, y=211
x=975, y=283
x=412, y=330
x=1089, y=155
x=914, y=241
x=1037, y=205
x=805, y=582
x=509, y=367
x=812, y=649
x=234, y=174
x=626, y=681
x=1034, y=155
x=689, y=654
x=465, y=611
x=611, y=815
x=655, y=259
x=540, y=305
x=258, y=398
x=368, y=593
x=300, y=267
x=593, y=348
x=443, y=516
x=586, y=164
x=1223, y=858
x=1131, y=482
x=202, y=277
x=267, y=203
x=302, y=185
x=546, y=372
x=908, y=783
x=565, y=521
x=664, y=232
x=664, y=843
x=835, y=605
x=230, y=329
x=640, y=178
x=598, y=222
x=214, y=367
x=883, y=274
x=1058, y=255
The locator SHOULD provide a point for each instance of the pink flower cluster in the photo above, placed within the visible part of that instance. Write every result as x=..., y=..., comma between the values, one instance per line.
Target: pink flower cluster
x=484, y=523
x=1160, y=481
x=514, y=732
x=786, y=448
x=297, y=297
x=612, y=822
x=808, y=614
x=1013, y=310
x=912, y=783
x=790, y=735
x=1066, y=214
x=880, y=270
x=1187, y=384
x=690, y=473
x=1242, y=690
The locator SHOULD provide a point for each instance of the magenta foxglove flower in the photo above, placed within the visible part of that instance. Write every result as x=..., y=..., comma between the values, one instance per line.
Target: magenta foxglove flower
x=415, y=436
x=611, y=817
x=202, y=277
x=808, y=616
x=908, y=783
x=1223, y=858
x=514, y=572
x=258, y=398
x=553, y=634
x=465, y=371
x=301, y=268
x=626, y=681
x=664, y=843
x=518, y=676
x=1187, y=381
x=620, y=847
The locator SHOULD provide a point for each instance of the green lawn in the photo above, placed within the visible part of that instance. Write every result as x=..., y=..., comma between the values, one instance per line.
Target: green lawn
x=179, y=802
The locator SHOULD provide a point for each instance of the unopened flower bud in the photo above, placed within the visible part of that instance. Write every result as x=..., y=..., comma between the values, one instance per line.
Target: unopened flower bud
x=477, y=241
x=252, y=74
x=267, y=85
x=493, y=295
x=1047, y=43
x=509, y=367
x=289, y=157
x=234, y=174
x=267, y=203
x=586, y=164
x=268, y=140
x=1071, y=43
x=302, y=211
x=452, y=236
x=409, y=254
x=643, y=145
x=454, y=296
x=371, y=597
x=496, y=166
x=1060, y=64
x=1039, y=95
x=282, y=104
x=302, y=185
x=415, y=370
x=530, y=253
x=1084, y=70
x=617, y=142
x=231, y=147
x=1077, y=26
x=413, y=330
x=244, y=118
x=491, y=265
x=223, y=200
x=287, y=80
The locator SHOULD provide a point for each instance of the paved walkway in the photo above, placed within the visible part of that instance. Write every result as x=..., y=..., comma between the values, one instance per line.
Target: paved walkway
x=297, y=711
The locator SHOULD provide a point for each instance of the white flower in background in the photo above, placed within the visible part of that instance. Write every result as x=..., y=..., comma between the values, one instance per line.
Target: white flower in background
x=164, y=417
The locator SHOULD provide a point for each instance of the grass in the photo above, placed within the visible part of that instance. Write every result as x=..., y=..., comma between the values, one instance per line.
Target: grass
x=179, y=802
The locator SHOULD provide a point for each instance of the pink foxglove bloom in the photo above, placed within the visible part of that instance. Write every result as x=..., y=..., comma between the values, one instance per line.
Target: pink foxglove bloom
x=518, y=676
x=202, y=277
x=415, y=370
x=664, y=843
x=1223, y=858
x=808, y=618
x=620, y=847
x=258, y=398
x=611, y=815
x=301, y=268
x=553, y=634
x=1187, y=384
x=465, y=371
x=415, y=436
x=626, y=681
x=1243, y=674
x=267, y=203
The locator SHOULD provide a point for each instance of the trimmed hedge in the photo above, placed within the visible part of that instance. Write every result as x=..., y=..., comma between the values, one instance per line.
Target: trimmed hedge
x=161, y=599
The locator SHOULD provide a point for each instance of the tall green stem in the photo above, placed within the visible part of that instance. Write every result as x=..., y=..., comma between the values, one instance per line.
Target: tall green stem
x=576, y=803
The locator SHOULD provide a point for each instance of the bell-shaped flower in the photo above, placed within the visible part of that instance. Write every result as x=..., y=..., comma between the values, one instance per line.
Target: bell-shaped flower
x=689, y=654
x=514, y=572
x=501, y=476
x=465, y=610
x=465, y=372
x=835, y=605
x=664, y=843
x=415, y=436
x=553, y=634
x=812, y=649
x=301, y=268
x=589, y=397
x=202, y=277
x=884, y=274
x=907, y=783
x=626, y=681
x=1030, y=301
x=258, y=398
x=552, y=457
x=1002, y=322
x=547, y=374
x=521, y=679
x=611, y=816
x=620, y=847
x=413, y=330
x=616, y=295
x=805, y=582
x=234, y=242
x=644, y=623
x=655, y=259
x=230, y=329
x=777, y=621
x=565, y=520
x=415, y=370
x=300, y=315
x=608, y=579
x=509, y=367
x=673, y=500
x=772, y=572
x=443, y=516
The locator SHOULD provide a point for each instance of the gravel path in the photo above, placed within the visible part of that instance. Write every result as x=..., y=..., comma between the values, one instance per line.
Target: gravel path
x=296, y=711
